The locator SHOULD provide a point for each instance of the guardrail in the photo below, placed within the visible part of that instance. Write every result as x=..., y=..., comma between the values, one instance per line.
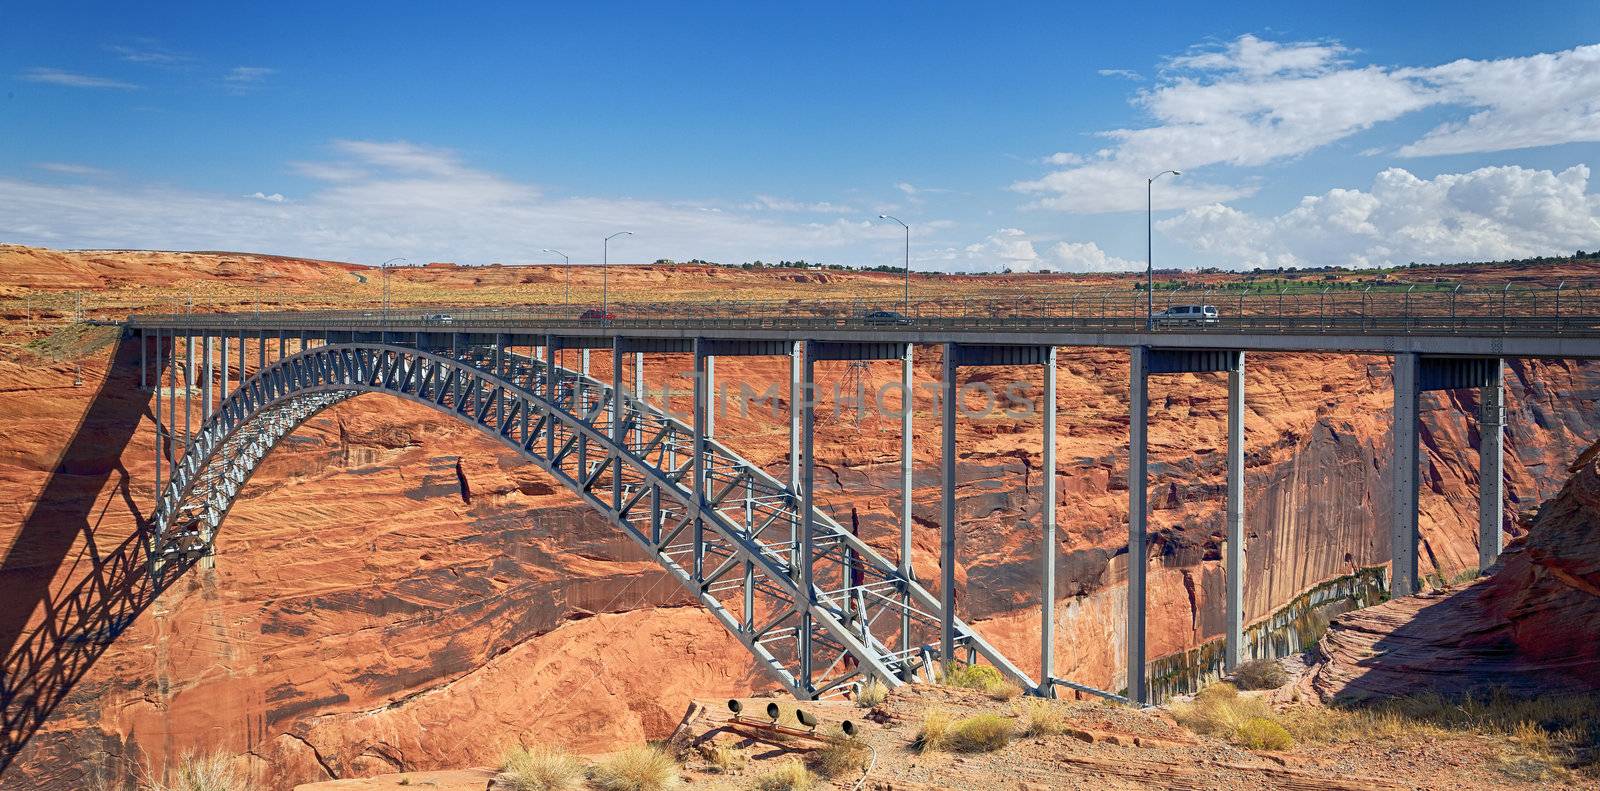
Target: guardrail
x=1417, y=309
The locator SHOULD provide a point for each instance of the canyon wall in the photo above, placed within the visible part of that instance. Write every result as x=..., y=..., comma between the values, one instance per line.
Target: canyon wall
x=395, y=590
x=1530, y=628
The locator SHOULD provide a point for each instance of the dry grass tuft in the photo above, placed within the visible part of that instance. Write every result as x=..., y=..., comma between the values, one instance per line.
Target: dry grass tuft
x=723, y=758
x=1260, y=674
x=841, y=757
x=1545, y=738
x=214, y=771
x=790, y=775
x=540, y=769
x=1219, y=710
x=640, y=768
x=980, y=733
x=1005, y=690
x=983, y=678
x=1042, y=717
x=1260, y=733
x=934, y=733
x=872, y=694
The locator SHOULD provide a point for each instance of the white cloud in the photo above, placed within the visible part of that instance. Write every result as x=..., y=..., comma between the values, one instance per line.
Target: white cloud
x=398, y=198
x=1010, y=246
x=1486, y=214
x=73, y=79
x=1253, y=57
x=1015, y=249
x=148, y=53
x=328, y=171
x=69, y=168
x=273, y=198
x=402, y=156
x=1254, y=102
x=1126, y=74
x=1540, y=100
x=248, y=74
x=916, y=195
x=771, y=203
x=1088, y=257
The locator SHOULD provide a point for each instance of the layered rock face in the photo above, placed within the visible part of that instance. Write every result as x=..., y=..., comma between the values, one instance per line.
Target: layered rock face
x=1532, y=627
x=395, y=590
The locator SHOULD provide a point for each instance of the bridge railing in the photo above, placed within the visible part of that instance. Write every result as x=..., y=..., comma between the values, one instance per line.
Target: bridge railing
x=1508, y=309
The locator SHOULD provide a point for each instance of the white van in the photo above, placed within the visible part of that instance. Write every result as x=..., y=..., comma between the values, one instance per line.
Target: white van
x=1187, y=314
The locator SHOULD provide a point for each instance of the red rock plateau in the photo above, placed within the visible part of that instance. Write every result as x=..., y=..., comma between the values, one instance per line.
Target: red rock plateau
x=394, y=591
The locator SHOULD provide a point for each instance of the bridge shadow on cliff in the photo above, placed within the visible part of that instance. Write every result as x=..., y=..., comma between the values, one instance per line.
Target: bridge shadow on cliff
x=104, y=582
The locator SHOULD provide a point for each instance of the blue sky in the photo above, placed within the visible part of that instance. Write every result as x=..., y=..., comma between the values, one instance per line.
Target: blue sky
x=1014, y=136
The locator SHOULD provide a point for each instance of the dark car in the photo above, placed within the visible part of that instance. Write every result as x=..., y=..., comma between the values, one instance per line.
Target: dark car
x=596, y=314
x=886, y=318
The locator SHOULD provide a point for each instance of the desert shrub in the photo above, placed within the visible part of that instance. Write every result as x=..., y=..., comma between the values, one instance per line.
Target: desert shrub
x=1041, y=717
x=1219, y=710
x=983, y=678
x=540, y=769
x=1005, y=690
x=723, y=757
x=872, y=694
x=1544, y=735
x=1260, y=674
x=935, y=731
x=640, y=768
x=1260, y=733
x=980, y=733
x=790, y=775
x=965, y=676
x=1334, y=725
x=214, y=771
x=841, y=757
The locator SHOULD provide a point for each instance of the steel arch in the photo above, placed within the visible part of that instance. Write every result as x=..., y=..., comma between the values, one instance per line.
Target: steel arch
x=627, y=460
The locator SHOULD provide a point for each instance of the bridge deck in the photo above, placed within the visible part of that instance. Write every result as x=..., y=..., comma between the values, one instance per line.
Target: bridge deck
x=1543, y=337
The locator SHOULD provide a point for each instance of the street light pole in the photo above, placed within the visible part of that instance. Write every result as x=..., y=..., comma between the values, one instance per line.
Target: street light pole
x=1149, y=250
x=566, y=297
x=906, y=306
x=383, y=269
x=605, y=270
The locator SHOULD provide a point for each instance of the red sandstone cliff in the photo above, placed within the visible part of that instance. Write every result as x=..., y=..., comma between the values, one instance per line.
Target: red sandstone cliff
x=1533, y=626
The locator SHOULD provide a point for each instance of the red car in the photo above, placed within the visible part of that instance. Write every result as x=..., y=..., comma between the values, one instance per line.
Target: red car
x=596, y=314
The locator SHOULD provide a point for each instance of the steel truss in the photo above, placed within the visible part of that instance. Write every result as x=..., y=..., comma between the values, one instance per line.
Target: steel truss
x=734, y=541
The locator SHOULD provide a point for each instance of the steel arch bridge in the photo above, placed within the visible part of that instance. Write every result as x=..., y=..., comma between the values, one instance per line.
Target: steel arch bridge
x=728, y=531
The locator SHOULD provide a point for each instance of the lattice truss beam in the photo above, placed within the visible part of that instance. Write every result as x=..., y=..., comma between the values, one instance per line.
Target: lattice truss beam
x=734, y=544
